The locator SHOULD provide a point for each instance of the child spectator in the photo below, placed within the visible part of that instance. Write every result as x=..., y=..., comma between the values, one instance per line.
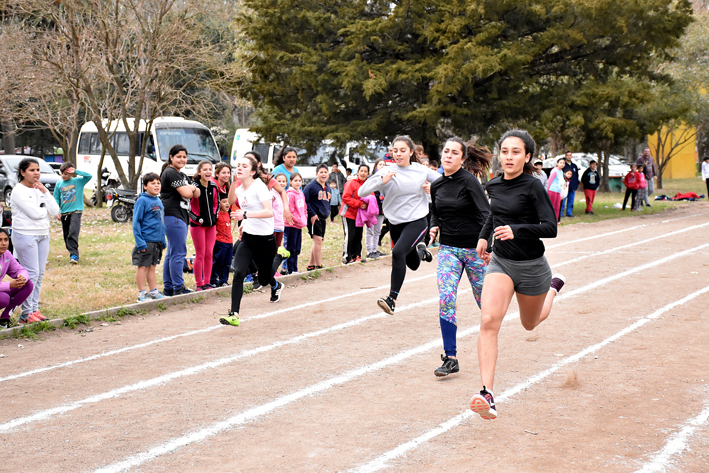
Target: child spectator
x=317, y=200
x=69, y=194
x=705, y=172
x=372, y=238
x=642, y=188
x=278, y=224
x=149, y=233
x=223, y=247
x=631, y=186
x=335, y=201
x=554, y=185
x=203, y=224
x=17, y=288
x=294, y=231
x=590, y=180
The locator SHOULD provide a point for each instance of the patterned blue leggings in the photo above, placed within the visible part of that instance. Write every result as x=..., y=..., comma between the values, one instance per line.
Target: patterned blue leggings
x=451, y=262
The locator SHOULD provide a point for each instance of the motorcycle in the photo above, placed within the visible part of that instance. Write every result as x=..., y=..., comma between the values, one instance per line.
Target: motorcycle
x=121, y=203
x=106, y=184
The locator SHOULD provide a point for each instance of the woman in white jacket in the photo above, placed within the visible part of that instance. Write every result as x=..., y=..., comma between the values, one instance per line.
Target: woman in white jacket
x=32, y=207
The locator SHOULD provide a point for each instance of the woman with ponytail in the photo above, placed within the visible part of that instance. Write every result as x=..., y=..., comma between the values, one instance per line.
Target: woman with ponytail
x=459, y=210
x=406, y=207
x=176, y=192
x=257, y=241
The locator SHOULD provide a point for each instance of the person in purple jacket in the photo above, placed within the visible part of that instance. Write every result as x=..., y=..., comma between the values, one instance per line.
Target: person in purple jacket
x=13, y=292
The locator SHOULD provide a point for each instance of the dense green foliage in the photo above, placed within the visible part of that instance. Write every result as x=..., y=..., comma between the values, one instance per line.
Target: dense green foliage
x=352, y=69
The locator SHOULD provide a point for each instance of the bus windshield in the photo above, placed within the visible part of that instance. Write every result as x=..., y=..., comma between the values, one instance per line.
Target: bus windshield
x=198, y=141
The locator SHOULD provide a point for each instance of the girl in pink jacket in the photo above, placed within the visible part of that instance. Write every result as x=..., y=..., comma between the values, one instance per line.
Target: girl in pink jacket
x=13, y=292
x=294, y=232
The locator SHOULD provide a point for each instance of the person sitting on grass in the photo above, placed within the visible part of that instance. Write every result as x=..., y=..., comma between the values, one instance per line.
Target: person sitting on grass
x=15, y=291
x=149, y=233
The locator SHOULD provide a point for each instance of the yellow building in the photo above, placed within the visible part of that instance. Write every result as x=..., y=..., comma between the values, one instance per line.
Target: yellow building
x=684, y=160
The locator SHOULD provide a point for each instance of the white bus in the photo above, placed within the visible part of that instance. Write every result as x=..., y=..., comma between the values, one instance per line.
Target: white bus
x=164, y=134
x=351, y=156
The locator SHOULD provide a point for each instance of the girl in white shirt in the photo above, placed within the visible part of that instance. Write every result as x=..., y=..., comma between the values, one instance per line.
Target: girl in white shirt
x=257, y=241
x=32, y=207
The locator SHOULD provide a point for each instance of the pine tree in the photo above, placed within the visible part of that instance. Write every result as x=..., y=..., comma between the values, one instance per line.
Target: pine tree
x=355, y=69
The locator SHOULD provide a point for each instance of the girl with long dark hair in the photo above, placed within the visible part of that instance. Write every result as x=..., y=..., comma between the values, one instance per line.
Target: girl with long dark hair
x=32, y=207
x=256, y=230
x=459, y=210
x=175, y=193
x=203, y=224
x=406, y=208
x=520, y=215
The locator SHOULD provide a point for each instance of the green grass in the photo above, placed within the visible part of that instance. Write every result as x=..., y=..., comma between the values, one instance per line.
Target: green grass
x=603, y=204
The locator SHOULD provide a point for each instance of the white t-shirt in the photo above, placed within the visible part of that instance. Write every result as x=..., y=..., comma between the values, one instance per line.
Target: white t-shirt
x=250, y=200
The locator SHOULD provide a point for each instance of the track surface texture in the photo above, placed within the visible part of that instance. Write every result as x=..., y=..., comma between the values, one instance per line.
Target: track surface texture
x=615, y=380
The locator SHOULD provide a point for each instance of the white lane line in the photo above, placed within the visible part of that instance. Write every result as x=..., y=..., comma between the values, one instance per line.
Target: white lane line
x=623, y=230
x=260, y=316
x=197, y=332
x=641, y=242
x=382, y=461
x=675, y=444
x=259, y=411
x=600, y=235
x=193, y=370
x=47, y=413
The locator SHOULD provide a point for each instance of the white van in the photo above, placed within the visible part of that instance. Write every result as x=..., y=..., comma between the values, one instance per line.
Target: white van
x=351, y=156
x=164, y=134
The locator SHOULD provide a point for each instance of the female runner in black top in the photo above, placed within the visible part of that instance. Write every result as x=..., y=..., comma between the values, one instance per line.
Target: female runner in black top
x=520, y=214
x=459, y=209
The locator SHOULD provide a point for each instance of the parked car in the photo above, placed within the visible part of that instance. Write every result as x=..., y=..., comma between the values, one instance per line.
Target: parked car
x=8, y=174
x=56, y=167
x=616, y=168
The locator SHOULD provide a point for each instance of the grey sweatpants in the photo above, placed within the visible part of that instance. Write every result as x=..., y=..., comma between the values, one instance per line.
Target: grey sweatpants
x=32, y=252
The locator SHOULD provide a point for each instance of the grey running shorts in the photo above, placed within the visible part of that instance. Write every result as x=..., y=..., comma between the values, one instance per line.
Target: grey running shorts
x=531, y=278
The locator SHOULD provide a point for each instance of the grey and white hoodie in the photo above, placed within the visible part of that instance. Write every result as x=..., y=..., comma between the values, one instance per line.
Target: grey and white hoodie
x=404, y=197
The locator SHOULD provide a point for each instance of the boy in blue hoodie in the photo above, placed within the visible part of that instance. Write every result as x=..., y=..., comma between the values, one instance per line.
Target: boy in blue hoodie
x=149, y=233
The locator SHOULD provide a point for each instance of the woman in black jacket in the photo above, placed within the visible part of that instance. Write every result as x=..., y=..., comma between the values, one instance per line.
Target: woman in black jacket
x=459, y=209
x=520, y=215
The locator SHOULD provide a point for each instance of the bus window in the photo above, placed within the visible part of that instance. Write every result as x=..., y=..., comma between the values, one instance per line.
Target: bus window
x=85, y=143
x=262, y=149
x=121, y=144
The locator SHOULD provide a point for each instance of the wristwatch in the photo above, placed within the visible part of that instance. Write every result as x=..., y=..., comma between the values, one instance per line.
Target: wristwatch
x=245, y=217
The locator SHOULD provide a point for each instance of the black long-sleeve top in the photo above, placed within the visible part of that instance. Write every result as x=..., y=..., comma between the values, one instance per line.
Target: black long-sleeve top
x=459, y=209
x=523, y=204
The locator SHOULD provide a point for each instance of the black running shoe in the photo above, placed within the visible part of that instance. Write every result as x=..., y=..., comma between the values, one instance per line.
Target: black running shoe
x=255, y=285
x=168, y=292
x=557, y=282
x=182, y=290
x=484, y=404
x=450, y=366
x=387, y=305
x=427, y=256
x=7, y=323
x=276, y=291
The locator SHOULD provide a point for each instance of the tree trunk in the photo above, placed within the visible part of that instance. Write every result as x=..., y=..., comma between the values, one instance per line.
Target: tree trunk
x=8, y=136
x=603, y=157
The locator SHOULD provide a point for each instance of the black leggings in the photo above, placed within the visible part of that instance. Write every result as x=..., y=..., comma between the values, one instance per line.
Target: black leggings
x=353, y=239
x=261, y=249
x=630, y=193
x=405, y=237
